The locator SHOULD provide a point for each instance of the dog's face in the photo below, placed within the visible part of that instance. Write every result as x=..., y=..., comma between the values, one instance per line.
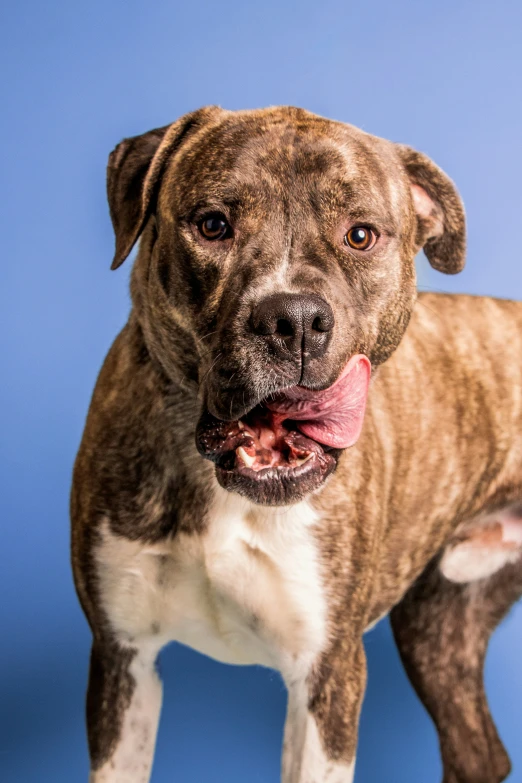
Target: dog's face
x=276, y=266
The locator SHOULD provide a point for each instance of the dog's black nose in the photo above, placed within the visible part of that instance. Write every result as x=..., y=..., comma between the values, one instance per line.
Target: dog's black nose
x=294, y=323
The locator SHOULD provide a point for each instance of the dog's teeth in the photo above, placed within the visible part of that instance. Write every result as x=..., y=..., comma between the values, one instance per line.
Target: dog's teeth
x=304, y=459
x=246, y=458
x=240, y=425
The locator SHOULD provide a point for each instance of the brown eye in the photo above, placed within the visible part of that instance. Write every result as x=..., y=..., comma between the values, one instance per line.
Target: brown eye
x=214, y=227
x=360, y=238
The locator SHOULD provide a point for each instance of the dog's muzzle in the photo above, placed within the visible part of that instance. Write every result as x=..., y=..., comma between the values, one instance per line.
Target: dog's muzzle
x=286, y=445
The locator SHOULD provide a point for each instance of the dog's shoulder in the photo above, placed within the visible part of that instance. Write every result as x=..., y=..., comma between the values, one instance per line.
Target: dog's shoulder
x=137, y=464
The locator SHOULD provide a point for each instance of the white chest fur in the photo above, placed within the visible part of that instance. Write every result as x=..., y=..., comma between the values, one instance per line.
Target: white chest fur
x=247, y=590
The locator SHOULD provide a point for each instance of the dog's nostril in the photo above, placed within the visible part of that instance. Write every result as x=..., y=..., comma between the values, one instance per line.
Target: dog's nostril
x=284, y=328
x=324, y=321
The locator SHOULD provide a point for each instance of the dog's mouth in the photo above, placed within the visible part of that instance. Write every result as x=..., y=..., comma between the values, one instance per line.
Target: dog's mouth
x=289, y=443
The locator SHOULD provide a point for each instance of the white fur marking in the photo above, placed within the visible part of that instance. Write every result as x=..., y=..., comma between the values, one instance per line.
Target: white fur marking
x=304, y=758
x=246, y=590
x=483, y=547
x=467, y=562
x=316, y=767
x=132, y=758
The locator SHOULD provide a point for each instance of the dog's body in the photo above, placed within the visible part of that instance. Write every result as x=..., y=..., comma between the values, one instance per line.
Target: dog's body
x=422, y=517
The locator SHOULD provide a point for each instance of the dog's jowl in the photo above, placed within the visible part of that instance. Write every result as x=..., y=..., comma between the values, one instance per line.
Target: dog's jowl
x=285, y=444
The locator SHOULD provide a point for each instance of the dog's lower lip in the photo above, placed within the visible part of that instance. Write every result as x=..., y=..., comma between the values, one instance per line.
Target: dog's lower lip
x=271, y=475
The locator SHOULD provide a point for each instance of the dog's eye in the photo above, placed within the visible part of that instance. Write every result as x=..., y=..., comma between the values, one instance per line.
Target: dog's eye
x=360, y=238
x=214, y=227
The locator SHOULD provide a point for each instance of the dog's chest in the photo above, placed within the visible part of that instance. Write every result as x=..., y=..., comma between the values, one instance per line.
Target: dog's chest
x=247, y=590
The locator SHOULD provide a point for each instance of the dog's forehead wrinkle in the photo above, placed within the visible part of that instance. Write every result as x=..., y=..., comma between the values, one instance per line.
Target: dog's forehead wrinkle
x=273, y=152
x=376, y=170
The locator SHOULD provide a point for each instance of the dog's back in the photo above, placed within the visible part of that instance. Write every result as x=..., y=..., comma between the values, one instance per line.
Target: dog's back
x=445, y=417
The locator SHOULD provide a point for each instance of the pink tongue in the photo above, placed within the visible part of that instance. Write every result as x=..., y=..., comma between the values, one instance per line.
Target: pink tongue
x=334, y=416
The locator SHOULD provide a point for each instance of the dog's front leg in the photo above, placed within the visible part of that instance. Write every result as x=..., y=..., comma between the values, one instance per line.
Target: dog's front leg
x=123, y=707
x=322, y=718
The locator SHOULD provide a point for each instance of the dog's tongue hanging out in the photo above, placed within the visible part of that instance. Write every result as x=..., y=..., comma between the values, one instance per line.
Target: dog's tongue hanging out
x=332, y=417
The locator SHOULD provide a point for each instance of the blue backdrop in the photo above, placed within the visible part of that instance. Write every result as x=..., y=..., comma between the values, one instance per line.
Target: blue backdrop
x=76, y=77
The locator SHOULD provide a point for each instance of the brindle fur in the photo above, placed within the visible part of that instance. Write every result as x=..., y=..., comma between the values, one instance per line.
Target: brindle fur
x=441, y=440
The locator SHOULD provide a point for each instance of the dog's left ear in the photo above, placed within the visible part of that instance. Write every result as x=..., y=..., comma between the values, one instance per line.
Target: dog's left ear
x=441, y=222
x=134, y=171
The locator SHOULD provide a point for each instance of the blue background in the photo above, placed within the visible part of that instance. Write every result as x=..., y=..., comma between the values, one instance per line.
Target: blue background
x=76, y=78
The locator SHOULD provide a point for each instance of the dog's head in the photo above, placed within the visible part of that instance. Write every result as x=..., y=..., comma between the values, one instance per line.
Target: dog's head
x=276, y=267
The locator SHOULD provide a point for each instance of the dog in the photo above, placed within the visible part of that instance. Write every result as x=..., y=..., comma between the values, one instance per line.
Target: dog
x=286, y=442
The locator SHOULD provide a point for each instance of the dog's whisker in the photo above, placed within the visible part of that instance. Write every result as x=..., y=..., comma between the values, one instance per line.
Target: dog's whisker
x=218, y=357
x=206, y=336
x=432, y=311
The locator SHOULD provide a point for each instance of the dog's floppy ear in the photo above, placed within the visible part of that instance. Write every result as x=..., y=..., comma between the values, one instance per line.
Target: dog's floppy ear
x=134, y=172
x=441, y=223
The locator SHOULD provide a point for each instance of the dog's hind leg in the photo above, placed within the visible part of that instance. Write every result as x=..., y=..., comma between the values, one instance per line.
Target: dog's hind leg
x=123, y=707
x=442, y=629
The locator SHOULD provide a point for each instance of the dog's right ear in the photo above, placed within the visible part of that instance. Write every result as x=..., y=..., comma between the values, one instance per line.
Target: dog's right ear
x=134, y=172
x=441, y=222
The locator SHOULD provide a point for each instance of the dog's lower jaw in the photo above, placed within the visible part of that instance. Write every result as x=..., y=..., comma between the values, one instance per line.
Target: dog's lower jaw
x=278, y=489
x=265, y=457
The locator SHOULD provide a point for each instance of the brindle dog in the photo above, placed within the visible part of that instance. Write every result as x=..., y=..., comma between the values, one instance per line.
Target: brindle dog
x=215, y=499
